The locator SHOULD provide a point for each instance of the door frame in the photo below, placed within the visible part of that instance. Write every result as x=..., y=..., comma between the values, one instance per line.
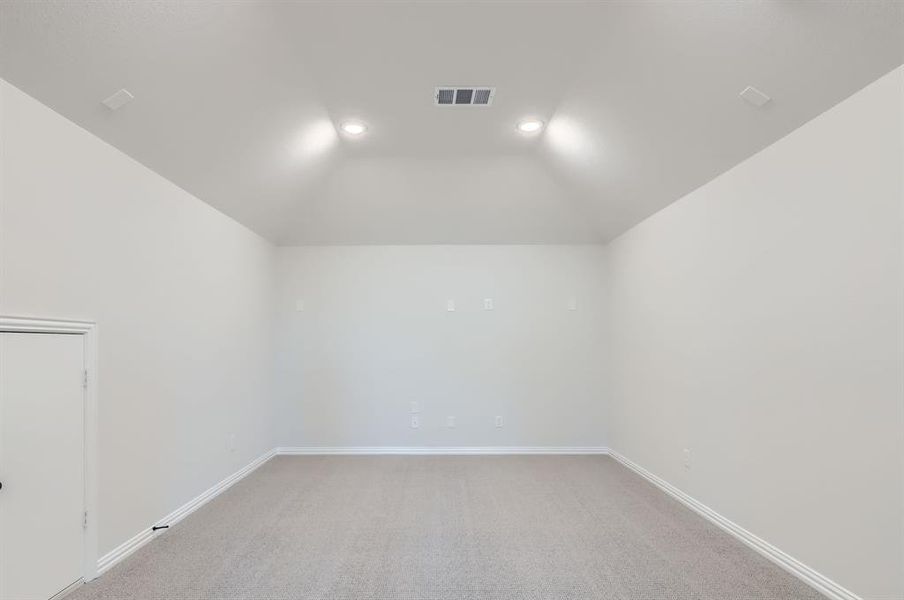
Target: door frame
x=88, y=329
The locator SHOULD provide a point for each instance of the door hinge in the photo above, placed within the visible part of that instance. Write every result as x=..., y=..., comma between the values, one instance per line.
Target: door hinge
x=85, y=520
x=85, y=379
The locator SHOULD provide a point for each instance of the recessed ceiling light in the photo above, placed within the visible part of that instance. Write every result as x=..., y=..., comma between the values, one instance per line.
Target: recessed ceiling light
x=354, y=128
x=530, y=126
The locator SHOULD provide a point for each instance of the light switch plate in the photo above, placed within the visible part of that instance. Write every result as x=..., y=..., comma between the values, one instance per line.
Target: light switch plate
x=450, y=305
x=487, y=304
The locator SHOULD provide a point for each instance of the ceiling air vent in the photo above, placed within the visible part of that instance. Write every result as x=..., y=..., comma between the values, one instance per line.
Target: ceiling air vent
x=464, y=96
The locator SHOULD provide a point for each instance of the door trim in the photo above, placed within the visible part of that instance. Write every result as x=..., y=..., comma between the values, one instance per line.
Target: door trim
x=88, y=329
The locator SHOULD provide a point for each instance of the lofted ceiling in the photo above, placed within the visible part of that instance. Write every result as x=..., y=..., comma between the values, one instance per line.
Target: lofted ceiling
x=238, y=103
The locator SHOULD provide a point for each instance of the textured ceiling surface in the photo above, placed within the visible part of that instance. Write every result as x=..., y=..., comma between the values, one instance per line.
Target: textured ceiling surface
x=238, y=102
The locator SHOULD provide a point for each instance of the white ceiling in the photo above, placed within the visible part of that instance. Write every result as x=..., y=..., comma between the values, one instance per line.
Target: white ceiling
x=236, y=102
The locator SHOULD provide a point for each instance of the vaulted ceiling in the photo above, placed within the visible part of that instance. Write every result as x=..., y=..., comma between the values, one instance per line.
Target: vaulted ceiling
x=238, y=103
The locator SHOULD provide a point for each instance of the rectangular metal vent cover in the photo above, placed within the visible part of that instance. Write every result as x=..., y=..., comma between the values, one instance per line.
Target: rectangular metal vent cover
x=450, y=95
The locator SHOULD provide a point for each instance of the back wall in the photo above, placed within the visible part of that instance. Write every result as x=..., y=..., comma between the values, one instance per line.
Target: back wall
x=365, y=331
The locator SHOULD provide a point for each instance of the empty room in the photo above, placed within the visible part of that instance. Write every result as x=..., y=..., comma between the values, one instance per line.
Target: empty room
x=451, y=300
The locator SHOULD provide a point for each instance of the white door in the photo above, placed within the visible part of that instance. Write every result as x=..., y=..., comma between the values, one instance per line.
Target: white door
x=42, y=463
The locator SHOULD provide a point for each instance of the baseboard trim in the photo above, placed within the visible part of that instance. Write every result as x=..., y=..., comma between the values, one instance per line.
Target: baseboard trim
x=440, y=450
x=809, y=576
x=110, y=559
x=68, y=589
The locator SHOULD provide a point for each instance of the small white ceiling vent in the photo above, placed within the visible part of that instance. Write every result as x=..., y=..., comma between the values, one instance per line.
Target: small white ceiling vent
x=754, y=96
x=118, y=100
x=464, y=95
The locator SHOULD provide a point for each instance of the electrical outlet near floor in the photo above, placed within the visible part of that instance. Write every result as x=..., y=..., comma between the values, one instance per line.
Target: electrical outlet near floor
x=230, y=442
x=499, y=421
x=687, y=458
x=415, y=422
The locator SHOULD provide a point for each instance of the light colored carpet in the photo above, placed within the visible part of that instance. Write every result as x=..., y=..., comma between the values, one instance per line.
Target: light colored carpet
x=444, y=528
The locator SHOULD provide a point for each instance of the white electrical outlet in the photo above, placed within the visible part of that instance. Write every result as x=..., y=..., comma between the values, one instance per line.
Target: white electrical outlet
x=450, y=305
x=450, y=422
x=415, y=422
x=687, y=458
x=487, y=304
x=415, y=406
x=499, y=421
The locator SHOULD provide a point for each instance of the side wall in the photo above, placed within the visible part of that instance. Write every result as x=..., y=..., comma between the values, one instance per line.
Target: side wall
x=182, y=298
x=757, y=322
x=375, y=335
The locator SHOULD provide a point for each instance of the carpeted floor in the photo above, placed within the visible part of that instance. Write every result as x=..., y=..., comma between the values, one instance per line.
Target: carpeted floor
x=444, y=528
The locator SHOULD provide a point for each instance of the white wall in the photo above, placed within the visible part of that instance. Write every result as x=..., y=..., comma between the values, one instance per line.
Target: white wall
x=182, y=298
x=375, y=335
x=758, y=322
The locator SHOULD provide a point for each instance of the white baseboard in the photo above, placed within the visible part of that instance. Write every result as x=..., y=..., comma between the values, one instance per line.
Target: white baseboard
x=440, y=450
x=792, y=565
x=68, y=590
x=109, y=559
